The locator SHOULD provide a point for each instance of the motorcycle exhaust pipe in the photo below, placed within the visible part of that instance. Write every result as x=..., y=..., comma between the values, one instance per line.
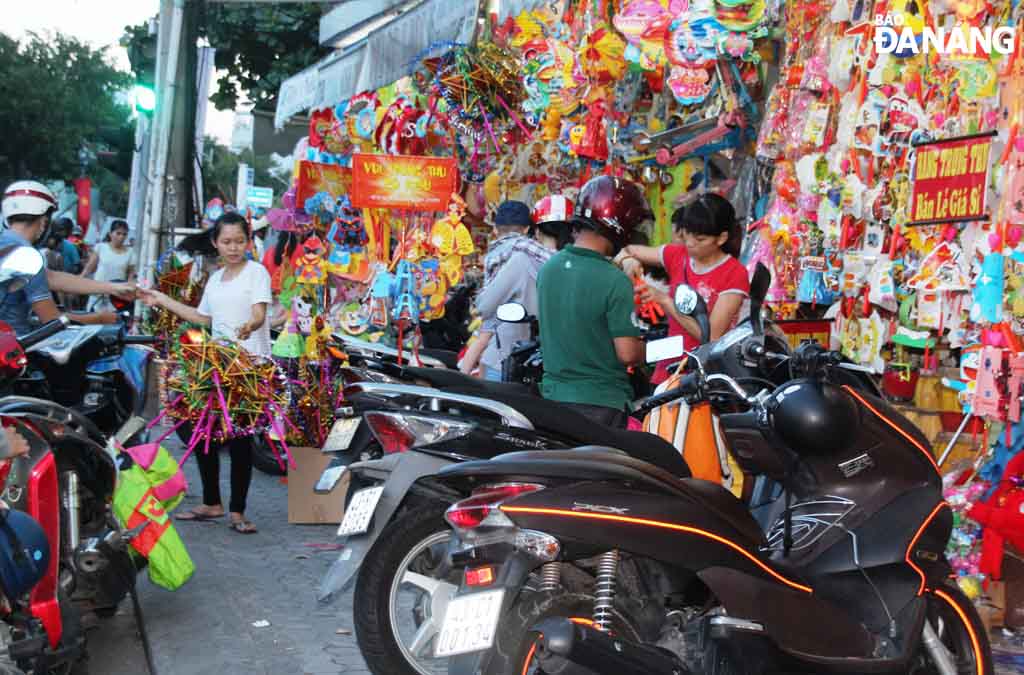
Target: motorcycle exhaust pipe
x=95, y=553
x=72, y=509
x=576, y=649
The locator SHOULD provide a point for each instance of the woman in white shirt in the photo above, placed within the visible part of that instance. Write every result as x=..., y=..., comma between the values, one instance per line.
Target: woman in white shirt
x=234, y=305
x=111, y=260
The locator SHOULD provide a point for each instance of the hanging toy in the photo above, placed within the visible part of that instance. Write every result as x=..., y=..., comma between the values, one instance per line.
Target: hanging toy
x=310, y=267
x=452, y=240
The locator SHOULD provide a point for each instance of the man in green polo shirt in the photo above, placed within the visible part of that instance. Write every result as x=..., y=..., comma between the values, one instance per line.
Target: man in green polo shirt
x=585, y=305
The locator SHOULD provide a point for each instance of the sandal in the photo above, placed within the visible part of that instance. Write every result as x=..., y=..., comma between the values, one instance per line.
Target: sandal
x=197, y=515
x=243, y=526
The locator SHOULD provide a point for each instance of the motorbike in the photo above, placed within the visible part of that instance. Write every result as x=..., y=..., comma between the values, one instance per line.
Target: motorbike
x=589, y=561
x=393, y=518
x=65, y=552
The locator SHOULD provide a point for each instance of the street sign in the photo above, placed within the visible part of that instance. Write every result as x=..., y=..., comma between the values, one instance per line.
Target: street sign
x=259, y=197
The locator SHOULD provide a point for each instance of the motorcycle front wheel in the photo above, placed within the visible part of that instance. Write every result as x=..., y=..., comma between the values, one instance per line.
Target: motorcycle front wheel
x=954, y=640
x=401, y=592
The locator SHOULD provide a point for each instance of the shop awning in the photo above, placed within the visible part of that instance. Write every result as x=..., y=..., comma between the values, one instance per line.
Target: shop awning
x=385, y=55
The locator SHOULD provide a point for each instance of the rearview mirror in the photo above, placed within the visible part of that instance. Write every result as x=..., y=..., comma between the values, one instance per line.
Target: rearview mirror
x=690, y=303
x=759, y=285
x=686, y=299
x=18, y=264
x=511, y=312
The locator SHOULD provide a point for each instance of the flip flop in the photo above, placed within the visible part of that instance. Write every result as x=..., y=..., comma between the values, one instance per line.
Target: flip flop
x=243, y=527
x=192, y=514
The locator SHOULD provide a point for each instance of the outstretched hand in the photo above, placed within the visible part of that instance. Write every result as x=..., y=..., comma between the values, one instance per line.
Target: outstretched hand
x=124, y=289
x=151, y=297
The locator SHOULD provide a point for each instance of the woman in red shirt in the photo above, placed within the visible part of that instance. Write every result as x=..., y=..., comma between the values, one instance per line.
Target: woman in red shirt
x=705, y=259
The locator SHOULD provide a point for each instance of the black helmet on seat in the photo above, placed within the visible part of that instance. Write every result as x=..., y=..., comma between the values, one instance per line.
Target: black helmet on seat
x=814, y=418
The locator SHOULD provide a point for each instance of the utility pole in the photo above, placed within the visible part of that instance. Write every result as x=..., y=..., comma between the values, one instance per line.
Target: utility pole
x=170, y=168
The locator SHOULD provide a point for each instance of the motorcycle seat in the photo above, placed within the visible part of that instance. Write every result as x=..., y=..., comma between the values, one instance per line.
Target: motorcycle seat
x=562, y=420
x=449, y=358
x=597, y=463
x=442, y=378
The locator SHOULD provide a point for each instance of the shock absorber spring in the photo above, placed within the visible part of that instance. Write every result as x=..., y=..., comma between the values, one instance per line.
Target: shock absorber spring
x=550, y=576
x=604, y=589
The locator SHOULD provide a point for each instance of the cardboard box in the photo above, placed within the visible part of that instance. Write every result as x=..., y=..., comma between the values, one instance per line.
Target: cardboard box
x=305, y=506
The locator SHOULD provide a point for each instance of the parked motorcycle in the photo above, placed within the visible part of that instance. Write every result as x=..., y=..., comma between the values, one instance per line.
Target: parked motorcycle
x=592, y=562
x=405, y=547
x=63, y=550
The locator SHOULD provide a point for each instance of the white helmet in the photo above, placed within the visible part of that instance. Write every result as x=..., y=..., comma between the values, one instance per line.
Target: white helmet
x=27, y=198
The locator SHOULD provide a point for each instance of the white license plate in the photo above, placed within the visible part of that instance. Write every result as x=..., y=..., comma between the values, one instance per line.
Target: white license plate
x=360, y=511
x=341, y=434
x=470, y=623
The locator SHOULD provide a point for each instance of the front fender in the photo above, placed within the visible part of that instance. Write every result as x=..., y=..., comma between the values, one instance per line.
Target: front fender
x=398, y=472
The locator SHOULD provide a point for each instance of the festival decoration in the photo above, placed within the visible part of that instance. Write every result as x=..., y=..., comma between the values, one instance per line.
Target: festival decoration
x=225, y=392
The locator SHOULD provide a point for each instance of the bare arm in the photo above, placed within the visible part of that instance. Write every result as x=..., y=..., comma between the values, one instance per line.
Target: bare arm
x=648, y=255
x=90, y=265
x=72, y=283
x=46, y=310
x=191, y=314
x=726, y=308
x=259, y=315
x=629, y=350
x=95, y=318
x=471, y=359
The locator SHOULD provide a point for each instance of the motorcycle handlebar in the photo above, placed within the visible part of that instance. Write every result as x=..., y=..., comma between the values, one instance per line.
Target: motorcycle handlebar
x=687, y=385
x=44, y=332
x=142, y=339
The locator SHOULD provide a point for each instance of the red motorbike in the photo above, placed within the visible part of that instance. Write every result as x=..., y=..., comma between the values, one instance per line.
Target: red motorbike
x=62, y=551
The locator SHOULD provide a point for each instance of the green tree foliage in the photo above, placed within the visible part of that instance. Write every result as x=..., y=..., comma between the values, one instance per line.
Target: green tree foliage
x=220, y=171
x=57, y=94
x=259, y=45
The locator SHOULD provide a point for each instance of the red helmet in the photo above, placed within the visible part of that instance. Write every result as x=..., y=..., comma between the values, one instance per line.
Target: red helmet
x=613, y=207
x=552, y=208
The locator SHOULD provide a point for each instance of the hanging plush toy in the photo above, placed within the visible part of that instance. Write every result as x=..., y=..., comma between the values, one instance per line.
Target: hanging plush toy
x=310, y=267
x=452, y=240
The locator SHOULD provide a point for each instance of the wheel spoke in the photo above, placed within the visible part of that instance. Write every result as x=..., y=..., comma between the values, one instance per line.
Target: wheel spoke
x=421, y=581
x=424, y=634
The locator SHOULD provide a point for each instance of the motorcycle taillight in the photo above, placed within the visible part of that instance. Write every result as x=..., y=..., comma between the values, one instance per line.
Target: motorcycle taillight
x=398, y=432
x=12, y=356
x=480, y=509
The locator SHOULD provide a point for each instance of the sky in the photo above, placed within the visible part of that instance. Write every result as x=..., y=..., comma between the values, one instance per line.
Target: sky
x=100, y=23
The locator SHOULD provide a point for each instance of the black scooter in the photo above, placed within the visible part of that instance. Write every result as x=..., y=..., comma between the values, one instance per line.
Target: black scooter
x=588, y=561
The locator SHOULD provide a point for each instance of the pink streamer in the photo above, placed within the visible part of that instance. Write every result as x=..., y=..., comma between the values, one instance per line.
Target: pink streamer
x=156, y=420
x=284, y=444
x=487, y=123
x=169, y=432
x=228, y=429
x=529, y=135
x=209, y=431
x=273, y=448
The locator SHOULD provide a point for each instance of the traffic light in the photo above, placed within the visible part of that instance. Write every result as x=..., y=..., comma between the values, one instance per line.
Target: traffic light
x=114, y=148
x=145, y=98
x=141, y=46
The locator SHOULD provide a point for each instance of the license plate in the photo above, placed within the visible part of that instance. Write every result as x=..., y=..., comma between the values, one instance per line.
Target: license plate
x=360, y=511
x=470, y=623
x=341, y=434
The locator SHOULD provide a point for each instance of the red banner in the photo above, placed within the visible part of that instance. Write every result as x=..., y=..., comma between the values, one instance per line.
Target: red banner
x=314, y=177
x=83, y=188
x=949, y=180
x=403, y=182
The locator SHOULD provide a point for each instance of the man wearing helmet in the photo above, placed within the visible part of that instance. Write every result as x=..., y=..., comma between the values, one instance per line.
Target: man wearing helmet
x=27, y=208
x=510, y=275
x=586, y=311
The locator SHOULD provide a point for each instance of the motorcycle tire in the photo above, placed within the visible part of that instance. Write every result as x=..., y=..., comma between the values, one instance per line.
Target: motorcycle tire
x=960, y=630
x=264, y=459
x=514, y=644
x=375, y=631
